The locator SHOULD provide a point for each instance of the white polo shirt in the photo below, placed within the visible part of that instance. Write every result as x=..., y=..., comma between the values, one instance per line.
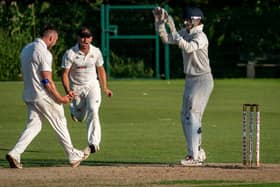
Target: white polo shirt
x=82, y=67
x=35, y=58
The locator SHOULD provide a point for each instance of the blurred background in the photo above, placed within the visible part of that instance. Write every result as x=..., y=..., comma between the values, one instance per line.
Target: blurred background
x=244, y=35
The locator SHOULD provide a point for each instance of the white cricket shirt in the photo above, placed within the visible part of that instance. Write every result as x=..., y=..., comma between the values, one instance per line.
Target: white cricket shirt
x=82, y=67
x=35, y=58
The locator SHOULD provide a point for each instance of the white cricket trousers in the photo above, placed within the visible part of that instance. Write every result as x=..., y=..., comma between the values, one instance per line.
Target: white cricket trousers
x=89, y=99
x=196, y=94
x=93, y=101
x=54, y=113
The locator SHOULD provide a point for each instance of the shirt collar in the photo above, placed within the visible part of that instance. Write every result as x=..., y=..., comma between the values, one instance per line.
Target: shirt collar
x=196, y=29
x=39, y=40
x=77, y=49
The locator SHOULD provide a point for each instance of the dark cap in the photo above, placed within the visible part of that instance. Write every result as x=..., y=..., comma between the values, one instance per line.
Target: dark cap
x=84, y=32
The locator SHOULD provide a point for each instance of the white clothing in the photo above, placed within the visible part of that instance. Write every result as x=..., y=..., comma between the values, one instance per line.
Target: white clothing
x=46, y=108
x=198, y=83
x=194, y=46
x=83, y=81
x=196, y=95
x=36, y=58
x=82, y=67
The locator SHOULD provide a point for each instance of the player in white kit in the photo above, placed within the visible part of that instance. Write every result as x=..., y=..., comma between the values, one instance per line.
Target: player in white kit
x=193, y=43
x=42, y=99
x=83, y=73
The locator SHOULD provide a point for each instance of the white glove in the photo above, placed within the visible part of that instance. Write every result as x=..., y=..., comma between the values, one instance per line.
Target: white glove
x=171, y=24
x=160, y=15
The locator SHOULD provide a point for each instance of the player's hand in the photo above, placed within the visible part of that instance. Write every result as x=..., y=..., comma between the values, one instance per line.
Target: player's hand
x=160, y=15
x=108, y=92
x=66, y=99
x=71, y=93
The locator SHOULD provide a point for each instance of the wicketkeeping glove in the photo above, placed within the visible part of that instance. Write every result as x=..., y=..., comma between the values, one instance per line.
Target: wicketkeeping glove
x=160, y=15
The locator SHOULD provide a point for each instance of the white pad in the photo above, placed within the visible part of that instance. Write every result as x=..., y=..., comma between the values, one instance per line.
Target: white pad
x=201, y=155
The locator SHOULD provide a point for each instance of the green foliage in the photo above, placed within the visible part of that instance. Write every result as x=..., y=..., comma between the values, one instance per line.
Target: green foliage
x=122, y=67
x=9, y=58
x=237, y=30
x=214, y=183
x=19, y=30
x=205, y=182
x=19, y=26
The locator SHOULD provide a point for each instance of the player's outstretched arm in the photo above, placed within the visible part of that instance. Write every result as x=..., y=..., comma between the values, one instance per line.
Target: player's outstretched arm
x=65, y=82
x=103, y=81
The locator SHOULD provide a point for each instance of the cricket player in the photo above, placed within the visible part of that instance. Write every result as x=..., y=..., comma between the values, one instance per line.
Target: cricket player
x=42, y=99
x=83, y=73
x=193, y=43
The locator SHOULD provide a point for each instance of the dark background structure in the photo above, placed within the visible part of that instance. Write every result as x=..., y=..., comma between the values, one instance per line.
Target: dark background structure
x=239, y=31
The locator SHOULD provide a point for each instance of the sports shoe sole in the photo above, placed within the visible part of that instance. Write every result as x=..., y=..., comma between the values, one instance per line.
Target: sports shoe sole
x=75, y=164
x=13, y=162
x=193, y=163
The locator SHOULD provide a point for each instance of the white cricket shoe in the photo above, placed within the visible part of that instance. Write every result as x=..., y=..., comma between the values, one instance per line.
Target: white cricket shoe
x=13, y=162
x=87, y=151
x=189, y=161
x=76, y=163
x=91, y=149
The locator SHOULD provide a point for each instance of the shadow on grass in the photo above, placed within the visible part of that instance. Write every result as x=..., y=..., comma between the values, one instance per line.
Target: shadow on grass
x=60, y=163
x=37, y=163
x=27, y=151
x=229, y=166
x=126, y=163
x=64, y=162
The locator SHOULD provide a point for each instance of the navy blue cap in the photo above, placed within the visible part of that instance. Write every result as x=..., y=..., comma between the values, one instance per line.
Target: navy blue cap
x=84, y=32
x=192, y=13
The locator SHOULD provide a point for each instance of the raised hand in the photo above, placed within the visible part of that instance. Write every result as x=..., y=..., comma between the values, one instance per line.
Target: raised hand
x=160, y=15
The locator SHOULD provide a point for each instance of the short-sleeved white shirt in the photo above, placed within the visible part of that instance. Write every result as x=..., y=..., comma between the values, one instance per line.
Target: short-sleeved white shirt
x=35, y=58
x=82, y=67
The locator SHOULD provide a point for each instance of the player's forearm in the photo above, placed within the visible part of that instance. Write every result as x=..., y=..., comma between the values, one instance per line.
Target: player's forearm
x=103, y=81
x=65, y=83
x=160, y=28
x=164, y=36
x=51, y=88
x=102, y=78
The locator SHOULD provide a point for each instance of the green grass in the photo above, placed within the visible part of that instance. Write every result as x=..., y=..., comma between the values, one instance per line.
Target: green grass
x=141, y=123
x=217, y=183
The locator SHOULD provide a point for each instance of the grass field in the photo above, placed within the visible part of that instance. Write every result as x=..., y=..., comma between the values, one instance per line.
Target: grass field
x=141, y=123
